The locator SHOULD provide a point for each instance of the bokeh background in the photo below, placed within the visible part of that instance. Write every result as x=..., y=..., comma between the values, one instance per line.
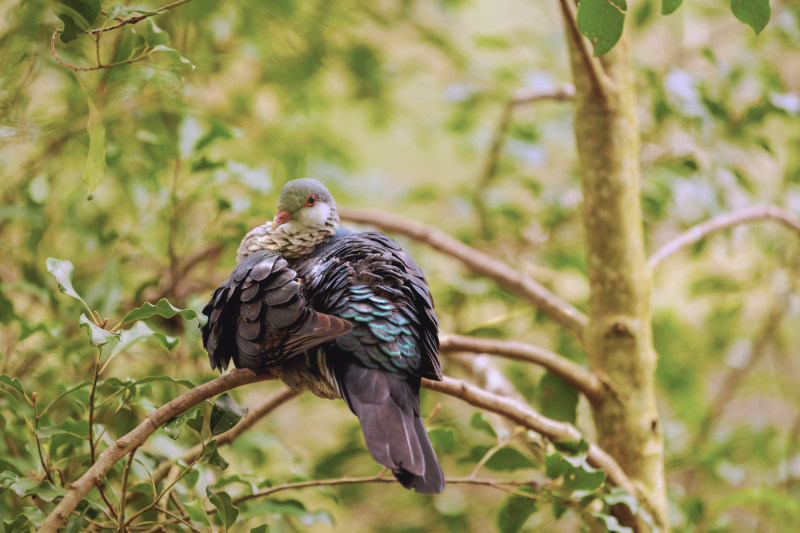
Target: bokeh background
x=394, y=105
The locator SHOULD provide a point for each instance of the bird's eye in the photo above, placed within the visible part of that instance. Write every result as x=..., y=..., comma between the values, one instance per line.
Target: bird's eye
x=311, y=200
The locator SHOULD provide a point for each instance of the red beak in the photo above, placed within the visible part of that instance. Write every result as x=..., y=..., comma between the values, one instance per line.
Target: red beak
x=280, y=218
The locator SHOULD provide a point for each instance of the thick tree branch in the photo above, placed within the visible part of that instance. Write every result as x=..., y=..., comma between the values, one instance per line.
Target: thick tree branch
x=553, y=306
x=135, y=438
x=755, y=213
x=579, y=377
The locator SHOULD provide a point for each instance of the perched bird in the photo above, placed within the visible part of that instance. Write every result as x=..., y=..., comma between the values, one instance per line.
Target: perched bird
x=341, y=314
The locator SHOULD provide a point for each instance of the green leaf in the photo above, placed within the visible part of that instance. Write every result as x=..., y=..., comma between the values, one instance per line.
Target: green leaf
x=174, y=55
x=95, y=167
x=263, y=528
x=584, y=478
x=194, y=508
x=669, y=6
x=601, y=21
x=118, y=9
x=62, y=269
x=154, y=35
x=443, y=440
x=478, y=421
x=140, y=332
x=226, y=513
x=7, y=314
x=572, y=447
x=174, y=426
x=211, y=453
x=514, y=512
x=14, y=383
x=46, y=491
x=289, y=507
x=555, y=465
x=225, y=414
x=163, y=308
x=97, y=335
x=196, y=423
x=30, y=518
x=507, y=459
x=754, y=13
x=77, y=15
x=143, y=487
x=557, y=398
x=611, y=524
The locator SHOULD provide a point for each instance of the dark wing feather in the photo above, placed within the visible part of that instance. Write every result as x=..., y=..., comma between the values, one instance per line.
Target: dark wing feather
x=259, y=317
x=367, y=279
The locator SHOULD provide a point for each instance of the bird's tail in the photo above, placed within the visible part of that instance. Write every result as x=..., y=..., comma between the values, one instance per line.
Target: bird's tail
x=388, y=409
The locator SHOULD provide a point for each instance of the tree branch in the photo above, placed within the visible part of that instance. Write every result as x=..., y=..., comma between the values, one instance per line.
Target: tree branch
x=86, y=69
x=136, y=437
x=552, y=429
x=553, y=306
x=139, y=18
x=595, y=73
x=579, y=377
x=755, y=213
x=495, y=483
x=519, y=98
x=529, y=418
x=257, y=413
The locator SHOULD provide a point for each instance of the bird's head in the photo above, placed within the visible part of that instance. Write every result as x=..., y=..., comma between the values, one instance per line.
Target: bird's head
x=304, y=206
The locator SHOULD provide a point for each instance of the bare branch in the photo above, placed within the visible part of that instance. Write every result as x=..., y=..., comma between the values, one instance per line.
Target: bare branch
x=495, y=483
x=139, y=18
x=582, y=379
x=519, y=98
x=135, y=438
x=84, y=69
x=553, y=306
x=552, y=429
x=722, y=222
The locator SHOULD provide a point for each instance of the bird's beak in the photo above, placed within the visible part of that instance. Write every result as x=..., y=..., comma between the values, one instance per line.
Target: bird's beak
x=280, y=218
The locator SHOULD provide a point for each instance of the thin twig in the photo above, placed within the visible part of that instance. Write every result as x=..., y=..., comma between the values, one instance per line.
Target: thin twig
x=90, y=437
x=531, y=419
x=582, y=379
x=124, y=492
x=36, y=418
x=158, y=497
x=76, y=68
x=553, y=306
x=596, y=75
x=519, y=98
x=139, y=18
x=500, y=484
x=254, y=415
x=755, y=213
x=136, y=437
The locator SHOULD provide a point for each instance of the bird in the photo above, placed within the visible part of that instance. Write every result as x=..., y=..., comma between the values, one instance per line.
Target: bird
x=339, y=313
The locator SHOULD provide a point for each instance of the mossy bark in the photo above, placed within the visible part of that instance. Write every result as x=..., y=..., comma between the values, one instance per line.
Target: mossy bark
x=618, y=338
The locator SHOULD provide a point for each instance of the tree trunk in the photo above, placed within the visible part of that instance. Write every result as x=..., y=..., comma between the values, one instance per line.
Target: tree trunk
x=618, y=339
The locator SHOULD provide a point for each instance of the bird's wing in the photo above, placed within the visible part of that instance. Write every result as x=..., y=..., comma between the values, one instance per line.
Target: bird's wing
x=367, y=279
x=259, y=317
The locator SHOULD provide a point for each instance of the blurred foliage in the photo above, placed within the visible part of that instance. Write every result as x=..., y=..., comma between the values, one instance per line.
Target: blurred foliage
x=214, y=106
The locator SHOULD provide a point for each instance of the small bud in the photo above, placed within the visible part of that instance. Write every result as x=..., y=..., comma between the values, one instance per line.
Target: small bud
x=33, y=398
